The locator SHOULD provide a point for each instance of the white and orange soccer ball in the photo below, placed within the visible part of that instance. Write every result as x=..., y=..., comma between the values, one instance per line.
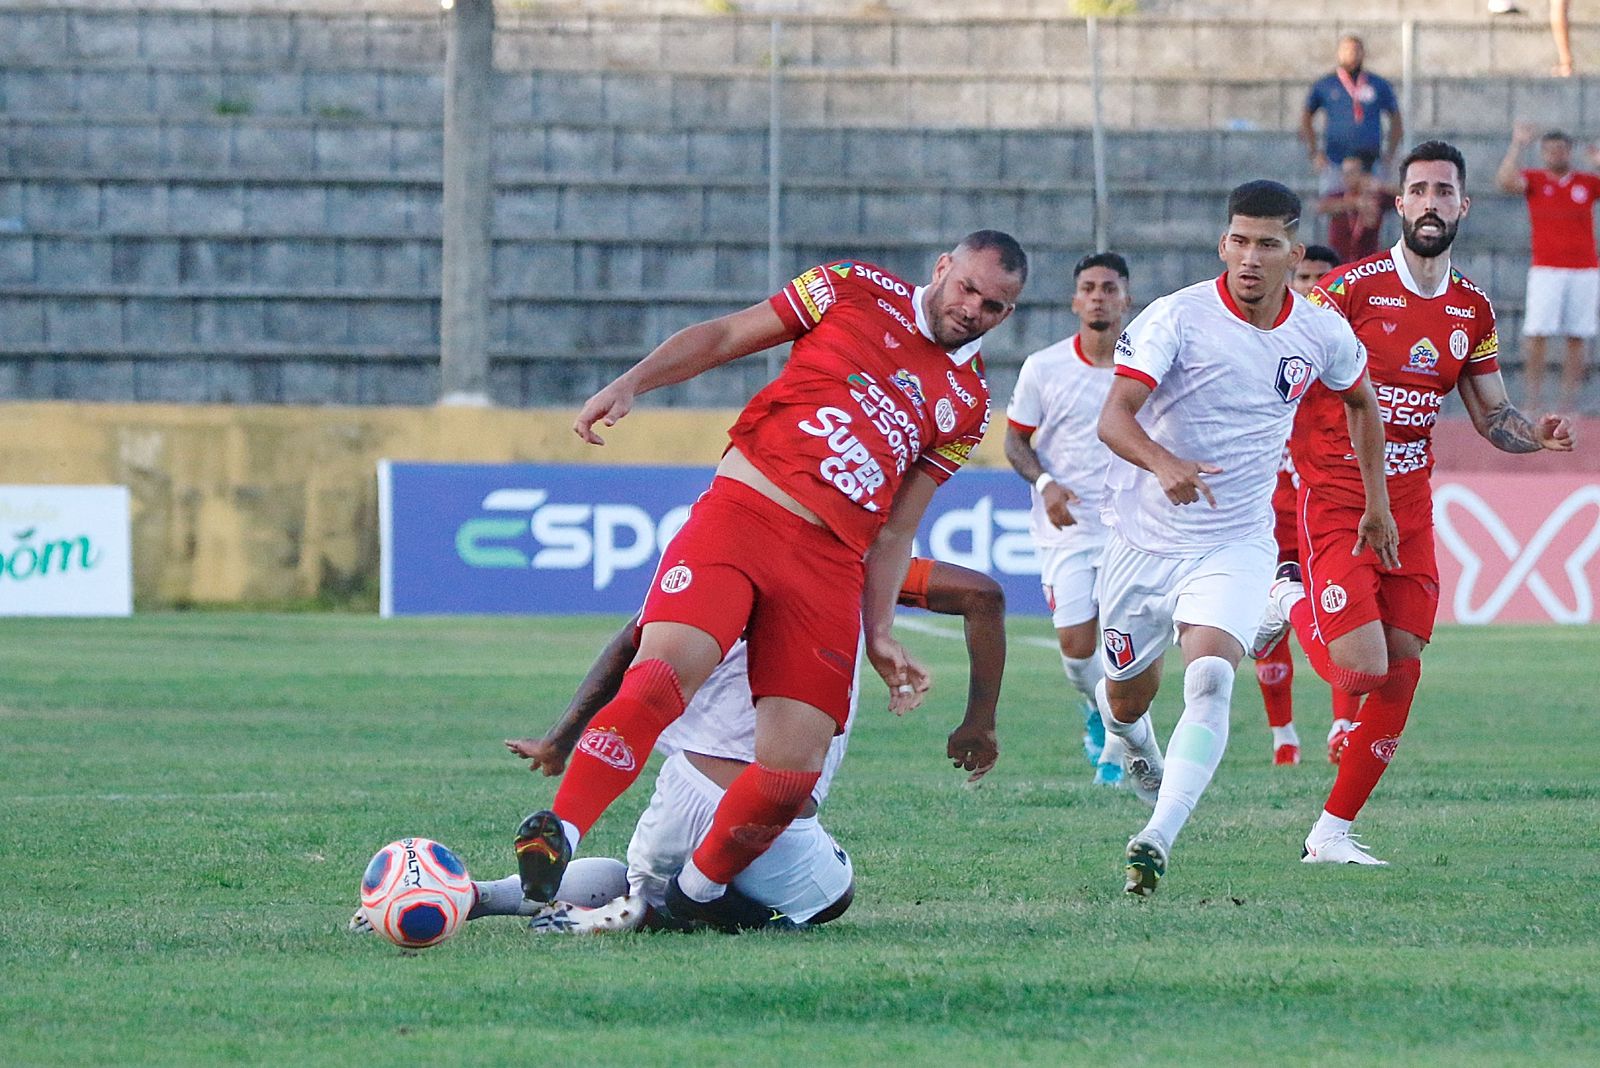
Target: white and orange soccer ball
x=416, y=893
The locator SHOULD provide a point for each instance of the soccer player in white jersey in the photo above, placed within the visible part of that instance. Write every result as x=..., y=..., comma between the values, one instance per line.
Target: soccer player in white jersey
x=1207, y=380
x=1052, y=443
x=805, y=875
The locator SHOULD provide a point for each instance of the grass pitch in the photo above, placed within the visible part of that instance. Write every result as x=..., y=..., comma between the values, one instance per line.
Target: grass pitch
x=190, y=799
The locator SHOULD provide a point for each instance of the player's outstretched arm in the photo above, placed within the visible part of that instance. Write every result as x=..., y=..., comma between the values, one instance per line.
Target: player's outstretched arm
x=691, y=351
x=886, y=565
x=1498, y=421
x=981, y=603
x=1120, y=430
x=1024, y=460
x=549, y=754
x=1377, y=529
x=1509, y=176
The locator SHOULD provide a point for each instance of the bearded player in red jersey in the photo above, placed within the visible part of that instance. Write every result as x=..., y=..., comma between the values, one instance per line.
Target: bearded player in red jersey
x=1427, y=330
x=881, y=401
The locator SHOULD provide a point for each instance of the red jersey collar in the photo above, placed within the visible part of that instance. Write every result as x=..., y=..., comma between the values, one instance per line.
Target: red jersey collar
x=1227, y=302
x=1077, y=350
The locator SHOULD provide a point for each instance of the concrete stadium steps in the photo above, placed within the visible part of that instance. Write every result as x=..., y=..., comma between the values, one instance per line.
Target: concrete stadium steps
x=907, y=40
x=812, y=98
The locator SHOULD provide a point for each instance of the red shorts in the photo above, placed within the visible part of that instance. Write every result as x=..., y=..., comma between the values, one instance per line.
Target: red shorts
x=742, y=565
x=1345, y=591
x=1286, y=529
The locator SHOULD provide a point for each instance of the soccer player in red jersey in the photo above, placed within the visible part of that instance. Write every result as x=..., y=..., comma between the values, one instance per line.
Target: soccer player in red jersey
x=1275, y=669
x=1427, y=331
x=882, y=399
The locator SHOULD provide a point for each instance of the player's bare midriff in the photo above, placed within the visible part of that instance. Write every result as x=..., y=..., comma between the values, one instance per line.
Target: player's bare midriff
x=737, y=466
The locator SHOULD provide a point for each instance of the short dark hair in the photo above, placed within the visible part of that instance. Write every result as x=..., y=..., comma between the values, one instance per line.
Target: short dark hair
x=1012, y=259
x=1435, y=152
x=1556, y=135
x=1320, y=254
x=1102, y=259
x=1265, y=199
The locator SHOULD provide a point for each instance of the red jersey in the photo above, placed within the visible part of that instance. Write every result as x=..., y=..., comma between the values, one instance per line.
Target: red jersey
x=1417, y=347
x=1561, y=216
x=866, y=396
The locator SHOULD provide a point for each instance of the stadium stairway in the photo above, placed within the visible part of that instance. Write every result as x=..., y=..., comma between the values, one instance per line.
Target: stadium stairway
x=204, y=205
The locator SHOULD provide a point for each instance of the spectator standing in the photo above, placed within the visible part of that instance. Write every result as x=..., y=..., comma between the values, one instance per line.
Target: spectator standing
x=1563, y=295
x=1357, y=209
x=1353, y=102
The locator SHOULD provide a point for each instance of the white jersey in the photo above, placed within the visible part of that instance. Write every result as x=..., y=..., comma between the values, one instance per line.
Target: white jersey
x=721, y=720
x=1058, y=399
x=1223, y=392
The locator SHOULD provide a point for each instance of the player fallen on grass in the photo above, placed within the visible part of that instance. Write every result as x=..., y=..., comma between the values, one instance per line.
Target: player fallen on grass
x=1051, y=442
x=1207, y=380
x=1363, y=618
x=805, y=875
x=882, y=399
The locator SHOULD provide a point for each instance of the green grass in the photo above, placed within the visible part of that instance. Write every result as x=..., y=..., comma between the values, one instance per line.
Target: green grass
x=189, y=801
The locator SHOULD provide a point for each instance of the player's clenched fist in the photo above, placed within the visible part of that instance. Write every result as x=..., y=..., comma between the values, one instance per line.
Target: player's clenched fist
x=608, y=406
x=1057, y=498
x=1181, y=482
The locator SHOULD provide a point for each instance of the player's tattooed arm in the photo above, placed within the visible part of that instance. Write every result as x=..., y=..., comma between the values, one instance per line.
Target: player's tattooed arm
x=549, y=753
x=1499, y=422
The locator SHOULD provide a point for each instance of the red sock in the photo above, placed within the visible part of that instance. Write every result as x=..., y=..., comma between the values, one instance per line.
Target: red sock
x=756, y=808
x=1345, y=705
x=613, y=750
x=1372, y=743
x=1356, y=682
x=1275, y=673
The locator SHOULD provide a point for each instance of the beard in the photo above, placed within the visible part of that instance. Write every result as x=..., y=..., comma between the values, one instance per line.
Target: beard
x=1429, y=246
x=1099, y=326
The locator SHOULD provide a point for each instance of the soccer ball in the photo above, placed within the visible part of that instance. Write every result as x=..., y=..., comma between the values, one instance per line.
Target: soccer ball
x=416, y=893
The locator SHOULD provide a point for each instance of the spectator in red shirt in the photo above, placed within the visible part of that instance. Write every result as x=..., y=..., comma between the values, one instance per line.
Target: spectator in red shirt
x=1563, y=297
x=1356, y=210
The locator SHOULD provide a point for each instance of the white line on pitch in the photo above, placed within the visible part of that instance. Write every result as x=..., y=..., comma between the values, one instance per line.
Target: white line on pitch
x=922, y=626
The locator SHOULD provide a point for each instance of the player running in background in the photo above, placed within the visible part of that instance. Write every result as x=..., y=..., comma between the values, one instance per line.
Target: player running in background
x=1206, y=384
x=1275, y=670
x=1052, y=443
x=882, y=399
x=1363, y=620
x=804, y=875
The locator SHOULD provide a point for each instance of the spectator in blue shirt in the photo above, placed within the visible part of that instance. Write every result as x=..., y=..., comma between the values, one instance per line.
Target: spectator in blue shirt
x=1353, y=102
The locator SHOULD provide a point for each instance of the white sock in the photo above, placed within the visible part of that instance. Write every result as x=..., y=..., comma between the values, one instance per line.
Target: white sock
x=1327, y=826
x=1112, y=753
x=1196, y=746
x=1138, y=736
x=573, y=836
x=694, y=883
x=1084, y=674
x=498, y=897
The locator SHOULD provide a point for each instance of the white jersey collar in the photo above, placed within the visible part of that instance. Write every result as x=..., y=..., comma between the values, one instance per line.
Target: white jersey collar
x=959, y=356
x=1403, y=272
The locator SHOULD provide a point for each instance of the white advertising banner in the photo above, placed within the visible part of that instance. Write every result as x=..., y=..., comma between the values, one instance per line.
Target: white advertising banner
x=65, y=551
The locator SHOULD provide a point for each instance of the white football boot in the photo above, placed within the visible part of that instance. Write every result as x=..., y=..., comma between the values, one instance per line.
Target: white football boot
x=625, y=913
x=1285, y=590
x=1339, y=848
x=1147, y=863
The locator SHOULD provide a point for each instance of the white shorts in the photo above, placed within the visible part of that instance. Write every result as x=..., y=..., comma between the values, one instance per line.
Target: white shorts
x=1143, y=598
x=1068, y=575
x=803, y=873
x=1562, y=302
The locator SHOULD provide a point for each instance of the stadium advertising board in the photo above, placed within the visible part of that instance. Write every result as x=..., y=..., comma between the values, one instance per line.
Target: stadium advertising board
x=516, y=539
x=65, y=551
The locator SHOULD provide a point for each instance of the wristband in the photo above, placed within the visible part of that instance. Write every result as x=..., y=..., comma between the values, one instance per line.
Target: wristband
x=1040, y=482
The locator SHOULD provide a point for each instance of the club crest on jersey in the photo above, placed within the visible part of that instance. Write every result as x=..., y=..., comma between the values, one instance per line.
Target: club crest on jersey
x=1294, y=378
x=909, y=383
x=1459, y=343
x=676, y=580
x=944, y=415
x=1119, y=647
x=1424, y=358
x=1334, y=598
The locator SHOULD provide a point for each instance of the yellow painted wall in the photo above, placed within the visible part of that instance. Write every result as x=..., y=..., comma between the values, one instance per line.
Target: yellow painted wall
x=261, y=504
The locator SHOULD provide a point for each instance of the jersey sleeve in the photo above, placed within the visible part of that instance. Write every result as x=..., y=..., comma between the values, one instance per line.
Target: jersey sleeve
x=942, y=461
x=914, y=590
x=1485, y=355
x=1529, y=177
x=1347, y=357
x=1332, y=292
x=1314, y=102
x=1146, y=350
x=1387, y=100
x=1026, y=410
x=806, y=299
